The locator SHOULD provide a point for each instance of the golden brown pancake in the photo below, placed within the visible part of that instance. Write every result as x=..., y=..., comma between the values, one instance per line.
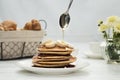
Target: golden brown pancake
x=51, y=58
x=48, y=66
x=59, y=62
x=59, y=53
x=55, y=49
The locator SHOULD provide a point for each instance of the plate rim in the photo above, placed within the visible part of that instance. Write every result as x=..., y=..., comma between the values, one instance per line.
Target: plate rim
x=54, y=70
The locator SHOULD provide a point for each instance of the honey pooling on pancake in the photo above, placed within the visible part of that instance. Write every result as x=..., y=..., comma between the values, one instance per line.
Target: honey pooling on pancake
x=54, y=54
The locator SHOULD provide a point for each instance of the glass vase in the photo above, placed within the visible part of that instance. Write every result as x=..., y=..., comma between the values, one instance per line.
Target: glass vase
x=112, y=51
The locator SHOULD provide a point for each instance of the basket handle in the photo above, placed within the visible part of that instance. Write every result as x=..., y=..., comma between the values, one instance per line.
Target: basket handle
x=42, y=20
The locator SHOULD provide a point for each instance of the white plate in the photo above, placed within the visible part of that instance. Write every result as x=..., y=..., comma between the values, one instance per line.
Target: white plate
x=89, y=54
x=27, y=65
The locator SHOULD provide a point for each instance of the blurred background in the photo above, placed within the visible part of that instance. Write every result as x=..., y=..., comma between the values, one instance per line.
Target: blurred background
x=84, y=16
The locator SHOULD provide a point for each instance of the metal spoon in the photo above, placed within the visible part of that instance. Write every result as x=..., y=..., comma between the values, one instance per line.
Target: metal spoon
x=65, y=17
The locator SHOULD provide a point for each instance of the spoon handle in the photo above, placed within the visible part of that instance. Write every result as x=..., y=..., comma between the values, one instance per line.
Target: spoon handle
x=69, y=6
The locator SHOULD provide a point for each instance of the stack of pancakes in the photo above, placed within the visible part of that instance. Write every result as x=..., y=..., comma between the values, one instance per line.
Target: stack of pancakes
x=53, y=54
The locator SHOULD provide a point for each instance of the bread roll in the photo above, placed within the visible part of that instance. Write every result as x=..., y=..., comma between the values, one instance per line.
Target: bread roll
x=32, y=25
x=28, y=26
x=9, y=25
x=35, y=24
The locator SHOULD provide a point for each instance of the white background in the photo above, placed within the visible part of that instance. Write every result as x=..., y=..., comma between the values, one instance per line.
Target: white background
x=84, y=15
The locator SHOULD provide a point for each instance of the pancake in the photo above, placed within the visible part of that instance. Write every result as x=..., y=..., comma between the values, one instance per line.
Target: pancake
x=54, y=57
x=71, y=60
x=49, y=66
x=55, y=49
x=47, y=60
x=51, y=58
x=60, y=53
x=43, y=55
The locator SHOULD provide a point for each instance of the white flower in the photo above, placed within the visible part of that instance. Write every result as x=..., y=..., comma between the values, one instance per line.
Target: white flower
x=112, y=19
x=103, y=27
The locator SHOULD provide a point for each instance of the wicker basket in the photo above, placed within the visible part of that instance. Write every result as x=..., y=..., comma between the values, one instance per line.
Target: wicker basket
x=19, y=44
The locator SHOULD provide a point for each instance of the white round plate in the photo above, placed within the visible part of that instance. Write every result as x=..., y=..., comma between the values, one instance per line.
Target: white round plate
x=27, y=65
x=89, y=54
